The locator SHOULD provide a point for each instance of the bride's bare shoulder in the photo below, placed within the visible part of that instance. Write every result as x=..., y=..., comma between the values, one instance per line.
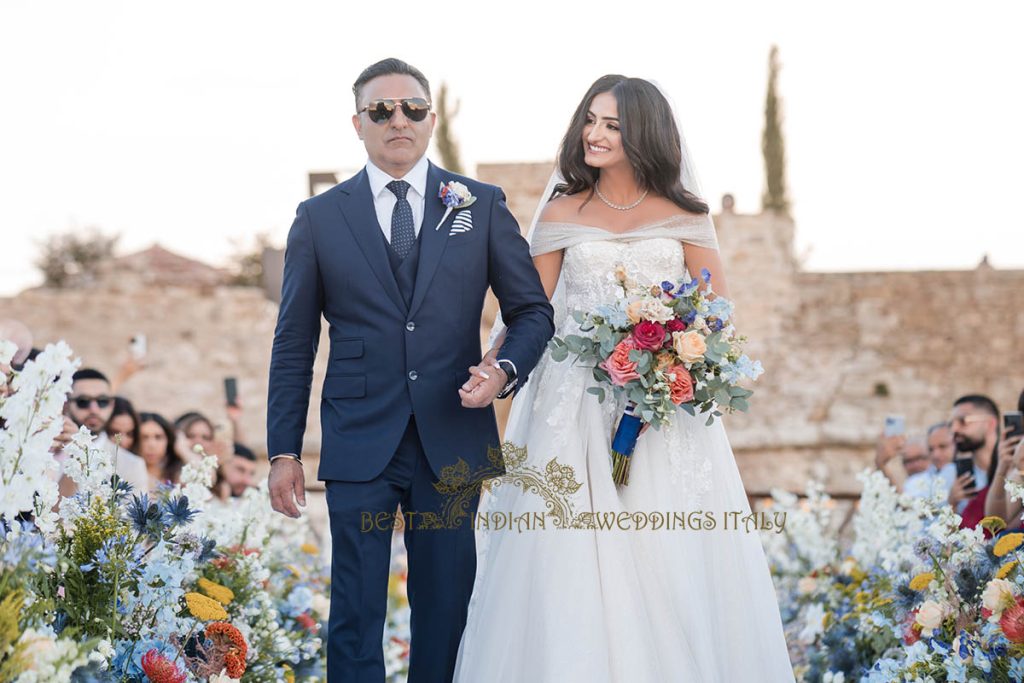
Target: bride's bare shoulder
x=564, y=208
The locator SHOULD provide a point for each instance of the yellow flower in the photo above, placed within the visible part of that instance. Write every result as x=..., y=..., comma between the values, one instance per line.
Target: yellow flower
x=921, y=581
x=204, y=608
x=1005, y=570
x=289, y=675
x=993, y=523
x=1007, y=543
x=221, y=594
x=309, y=549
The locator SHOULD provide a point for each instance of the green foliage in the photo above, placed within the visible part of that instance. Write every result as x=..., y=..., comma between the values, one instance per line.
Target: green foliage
x=772, y=143
x=248, y=262
x=73, y=256
x=447, y=146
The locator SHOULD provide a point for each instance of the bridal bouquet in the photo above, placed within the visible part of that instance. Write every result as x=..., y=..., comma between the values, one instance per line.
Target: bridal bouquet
x=664, y=346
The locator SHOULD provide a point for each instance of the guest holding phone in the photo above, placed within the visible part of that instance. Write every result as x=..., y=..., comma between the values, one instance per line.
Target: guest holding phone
x=975, y=425
x=1009, y=469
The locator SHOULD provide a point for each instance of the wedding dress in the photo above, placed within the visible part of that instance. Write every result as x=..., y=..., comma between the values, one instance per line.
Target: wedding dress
x=611, y=599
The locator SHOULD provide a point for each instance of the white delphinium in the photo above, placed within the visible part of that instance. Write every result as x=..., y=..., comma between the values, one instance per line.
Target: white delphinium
x=90, y=468
x=49, y=659
x=197, y=478
x=887, y=524
x=32, y=417
x=806, y=542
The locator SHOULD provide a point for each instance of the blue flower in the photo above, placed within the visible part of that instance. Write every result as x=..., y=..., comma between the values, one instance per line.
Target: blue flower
x=177, y=512
x=689, y=317
x=956, y=670
x=705, y=275
x=668, y=286
x=300, y=600
x=145, y=516
x=1016, y=672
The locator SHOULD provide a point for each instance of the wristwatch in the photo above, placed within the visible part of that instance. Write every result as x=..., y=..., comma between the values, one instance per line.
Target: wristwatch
x=513, y=377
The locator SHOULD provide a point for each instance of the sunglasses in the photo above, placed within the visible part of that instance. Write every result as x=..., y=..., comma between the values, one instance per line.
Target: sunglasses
x=83, y=402
x=414, y=108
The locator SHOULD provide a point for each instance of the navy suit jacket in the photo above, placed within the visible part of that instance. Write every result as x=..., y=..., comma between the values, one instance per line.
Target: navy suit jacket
x=387, y=360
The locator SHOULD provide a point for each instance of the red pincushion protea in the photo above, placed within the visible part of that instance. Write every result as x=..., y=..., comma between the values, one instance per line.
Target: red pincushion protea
x=1012, y=621
x=911, y=629
x=159, y=669
x=228, y=644
x=307, y=622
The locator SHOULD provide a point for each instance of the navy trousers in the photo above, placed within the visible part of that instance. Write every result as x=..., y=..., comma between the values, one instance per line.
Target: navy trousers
x=442, y=567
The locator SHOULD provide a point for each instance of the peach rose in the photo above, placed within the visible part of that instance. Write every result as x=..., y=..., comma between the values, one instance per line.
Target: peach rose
x=681, y=385
x=618, y=365
x=689, y=346
x=633, y=311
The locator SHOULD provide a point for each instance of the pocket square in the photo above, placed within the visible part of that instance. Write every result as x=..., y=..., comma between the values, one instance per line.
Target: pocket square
x=463, y=222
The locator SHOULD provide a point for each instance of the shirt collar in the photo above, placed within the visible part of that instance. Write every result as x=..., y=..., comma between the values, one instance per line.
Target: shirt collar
x=416, y=177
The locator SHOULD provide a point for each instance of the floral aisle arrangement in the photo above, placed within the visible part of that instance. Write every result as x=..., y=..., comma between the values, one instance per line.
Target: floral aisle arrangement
x=663, y=346
x=120, y=585
x=916, y=599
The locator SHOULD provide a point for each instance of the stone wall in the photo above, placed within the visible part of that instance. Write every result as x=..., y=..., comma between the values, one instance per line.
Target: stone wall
x=841, y=350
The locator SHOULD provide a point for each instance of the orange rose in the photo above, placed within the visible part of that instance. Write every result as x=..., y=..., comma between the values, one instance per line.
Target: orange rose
x=618, y=365
x=689, y=345
x=681, y=385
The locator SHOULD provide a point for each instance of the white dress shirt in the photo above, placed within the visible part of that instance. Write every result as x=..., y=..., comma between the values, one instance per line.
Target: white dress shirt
x=384, y=200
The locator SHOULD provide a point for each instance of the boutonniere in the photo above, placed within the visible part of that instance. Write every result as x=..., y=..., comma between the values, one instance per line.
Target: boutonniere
x=454, y=196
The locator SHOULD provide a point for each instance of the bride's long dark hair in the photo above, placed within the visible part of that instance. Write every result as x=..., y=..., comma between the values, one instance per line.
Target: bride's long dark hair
x=650, y=140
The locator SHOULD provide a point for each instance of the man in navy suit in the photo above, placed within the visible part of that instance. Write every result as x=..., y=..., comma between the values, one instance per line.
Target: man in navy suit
x=400, y=275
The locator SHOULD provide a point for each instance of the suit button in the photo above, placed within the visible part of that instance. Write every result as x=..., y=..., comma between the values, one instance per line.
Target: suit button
x=410, y=326
x=413, y=375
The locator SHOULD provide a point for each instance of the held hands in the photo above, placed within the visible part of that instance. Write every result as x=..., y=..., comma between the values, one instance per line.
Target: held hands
x=484, y=384
x=287, y=484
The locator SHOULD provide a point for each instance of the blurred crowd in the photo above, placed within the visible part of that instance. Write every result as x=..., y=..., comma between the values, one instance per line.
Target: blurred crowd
x=149, y=448
x=966, y=460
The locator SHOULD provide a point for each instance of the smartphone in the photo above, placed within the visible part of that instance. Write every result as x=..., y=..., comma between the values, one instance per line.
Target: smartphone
x=894, y=425
x=1013, y=424
x=138, y=346
x=965, y=466
x=231, y=391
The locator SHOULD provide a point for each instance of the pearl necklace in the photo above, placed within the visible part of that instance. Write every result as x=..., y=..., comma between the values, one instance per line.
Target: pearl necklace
x=620, y=207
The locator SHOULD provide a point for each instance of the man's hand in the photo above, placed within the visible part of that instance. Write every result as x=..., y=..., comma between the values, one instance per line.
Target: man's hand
x=962, y=489
x=483, y=386
x=887, y=448
x=64, y=438
x=287, y=485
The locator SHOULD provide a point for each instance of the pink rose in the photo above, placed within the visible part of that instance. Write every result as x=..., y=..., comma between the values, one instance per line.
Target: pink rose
x=682, y=386
x=618, y=365
x=676, y=325
x=649, y=335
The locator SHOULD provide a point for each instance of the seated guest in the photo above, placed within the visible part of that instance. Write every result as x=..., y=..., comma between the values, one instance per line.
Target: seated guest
x=156, y=446
x=940, y=444
x=91, y=405
x=123, y=426
x=240, y=471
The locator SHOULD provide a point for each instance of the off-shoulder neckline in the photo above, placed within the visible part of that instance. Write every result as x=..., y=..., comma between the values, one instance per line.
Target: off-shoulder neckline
x=657, y=223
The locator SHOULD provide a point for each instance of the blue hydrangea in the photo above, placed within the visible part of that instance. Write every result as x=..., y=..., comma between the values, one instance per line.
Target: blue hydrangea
x=300, y=601
x=956, y=670
x=1016, y=672
x=614, y=315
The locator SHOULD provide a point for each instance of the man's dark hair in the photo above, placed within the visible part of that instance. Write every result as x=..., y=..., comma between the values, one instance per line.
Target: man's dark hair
x=387, y=67
x=244, y=451
x=980, y=402
x=89, y=373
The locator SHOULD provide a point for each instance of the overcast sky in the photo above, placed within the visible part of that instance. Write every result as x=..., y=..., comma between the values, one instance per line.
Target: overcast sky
x=194, y=124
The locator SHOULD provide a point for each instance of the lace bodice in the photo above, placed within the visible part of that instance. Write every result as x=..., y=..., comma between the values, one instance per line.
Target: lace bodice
x=588, y=268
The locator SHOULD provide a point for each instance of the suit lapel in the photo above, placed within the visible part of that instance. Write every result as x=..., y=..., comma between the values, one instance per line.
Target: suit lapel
x=361, y=217
x=432, y=242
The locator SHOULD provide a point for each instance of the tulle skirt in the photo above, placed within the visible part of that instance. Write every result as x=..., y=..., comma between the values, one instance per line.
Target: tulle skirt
x=666, y=581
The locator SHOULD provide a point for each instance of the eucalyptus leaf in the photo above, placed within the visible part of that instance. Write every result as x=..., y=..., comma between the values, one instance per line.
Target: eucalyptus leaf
x=597, y=391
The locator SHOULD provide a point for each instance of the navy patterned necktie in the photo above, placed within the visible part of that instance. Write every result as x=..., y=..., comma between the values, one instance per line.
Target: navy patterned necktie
x=403, y=232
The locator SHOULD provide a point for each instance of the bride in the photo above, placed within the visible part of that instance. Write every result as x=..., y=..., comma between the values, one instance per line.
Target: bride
x=617, y=602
